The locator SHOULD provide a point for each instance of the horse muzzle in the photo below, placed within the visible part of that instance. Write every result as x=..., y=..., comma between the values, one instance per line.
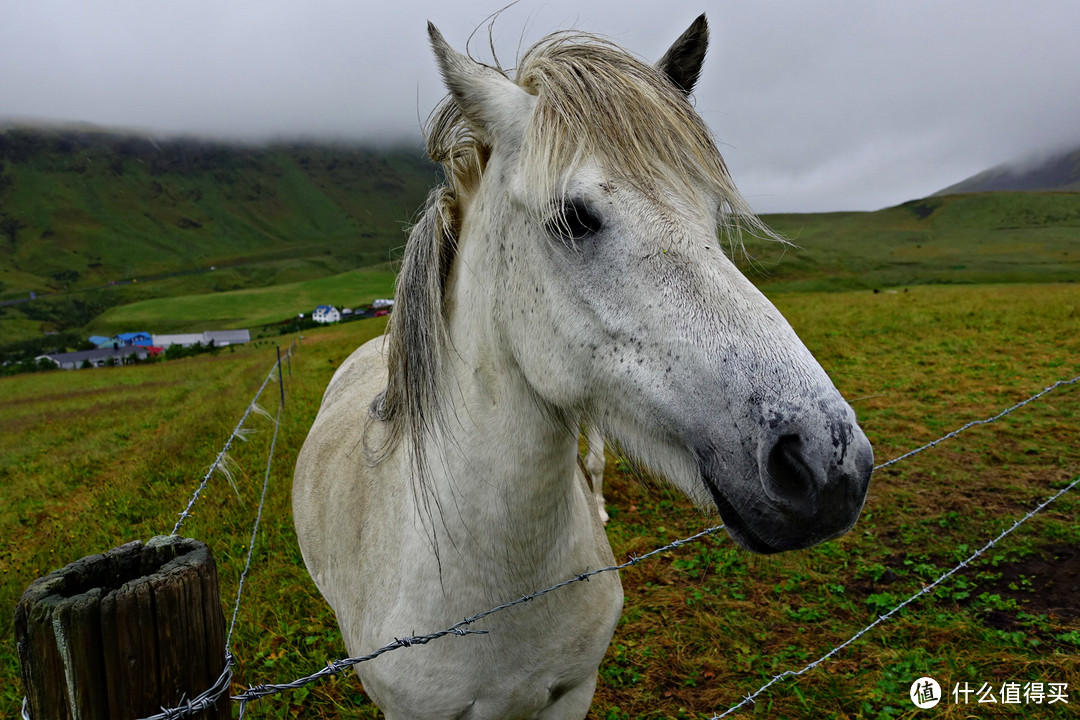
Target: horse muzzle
x=805, y=484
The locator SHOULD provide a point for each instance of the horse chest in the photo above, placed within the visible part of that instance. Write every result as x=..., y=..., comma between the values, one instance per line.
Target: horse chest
x=535, y=660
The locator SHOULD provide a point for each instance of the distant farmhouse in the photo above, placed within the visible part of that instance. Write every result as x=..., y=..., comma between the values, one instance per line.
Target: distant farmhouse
x=220, y=338
x=126, y=347
x=101, y=357
x=139, y=339
x=326, y=314
x=128, y=339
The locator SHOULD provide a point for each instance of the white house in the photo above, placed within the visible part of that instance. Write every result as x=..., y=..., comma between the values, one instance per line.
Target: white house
x=326, y=314
x=382, y=303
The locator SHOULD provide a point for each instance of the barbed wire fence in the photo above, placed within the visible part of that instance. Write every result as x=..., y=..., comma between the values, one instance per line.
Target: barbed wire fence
x=925, y=590
x=463, y=627
x=255, y=692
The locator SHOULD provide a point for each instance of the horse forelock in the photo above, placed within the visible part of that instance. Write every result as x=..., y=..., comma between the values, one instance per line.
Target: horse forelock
x=597, y=101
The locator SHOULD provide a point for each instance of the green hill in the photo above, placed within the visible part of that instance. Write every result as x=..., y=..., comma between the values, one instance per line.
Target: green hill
x=248, y=308
x=976, y=238
x=93, y=219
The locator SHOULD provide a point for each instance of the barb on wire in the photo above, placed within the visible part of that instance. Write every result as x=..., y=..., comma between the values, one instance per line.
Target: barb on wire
x=220, y=461
x=459, y=629
x=206, y=700
x=254, y=529
x=924, y=591
x=972, y=424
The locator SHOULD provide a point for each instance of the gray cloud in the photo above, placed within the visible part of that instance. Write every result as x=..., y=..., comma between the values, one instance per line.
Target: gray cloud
x=818, y=106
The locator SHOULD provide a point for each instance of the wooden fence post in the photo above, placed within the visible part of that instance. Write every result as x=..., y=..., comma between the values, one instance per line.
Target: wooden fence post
x=124, y=634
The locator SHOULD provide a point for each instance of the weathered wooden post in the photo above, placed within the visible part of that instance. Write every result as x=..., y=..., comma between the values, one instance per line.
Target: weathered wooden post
x=124, y=634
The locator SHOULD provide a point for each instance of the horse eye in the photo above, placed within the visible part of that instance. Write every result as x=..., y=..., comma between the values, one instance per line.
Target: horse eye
x=574, y=220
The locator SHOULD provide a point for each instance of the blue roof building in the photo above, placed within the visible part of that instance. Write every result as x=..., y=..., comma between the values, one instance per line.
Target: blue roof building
x=141, y=339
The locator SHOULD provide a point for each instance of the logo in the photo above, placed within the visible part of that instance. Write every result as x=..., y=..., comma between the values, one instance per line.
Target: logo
x=925, y=693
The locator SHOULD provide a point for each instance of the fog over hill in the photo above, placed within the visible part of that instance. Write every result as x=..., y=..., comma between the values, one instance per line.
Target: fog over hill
x=1058, y=171
x=817, y=106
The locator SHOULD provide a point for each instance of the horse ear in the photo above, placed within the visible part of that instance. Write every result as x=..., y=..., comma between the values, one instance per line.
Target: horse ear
x=489, y=100
x=682, y=62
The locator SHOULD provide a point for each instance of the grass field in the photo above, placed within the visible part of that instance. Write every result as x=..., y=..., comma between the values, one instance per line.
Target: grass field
x=248, y=308
x=92, y=459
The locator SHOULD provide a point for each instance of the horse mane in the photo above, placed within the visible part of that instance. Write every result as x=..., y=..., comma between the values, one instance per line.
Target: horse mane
x=594, y=100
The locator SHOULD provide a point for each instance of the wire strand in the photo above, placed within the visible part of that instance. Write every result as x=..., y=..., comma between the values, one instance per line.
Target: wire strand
x=220, y=459
x=924, y=591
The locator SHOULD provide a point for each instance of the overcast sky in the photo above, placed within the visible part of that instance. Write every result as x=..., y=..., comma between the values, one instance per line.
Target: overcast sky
x=817, y=105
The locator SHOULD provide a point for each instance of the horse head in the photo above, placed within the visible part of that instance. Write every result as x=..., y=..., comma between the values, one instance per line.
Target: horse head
x=583, y=201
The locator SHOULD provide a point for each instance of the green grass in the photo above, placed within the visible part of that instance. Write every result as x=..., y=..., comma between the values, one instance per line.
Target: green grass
x=248, y=308
x=88, y=457
x=980, y=238
x=92, y=459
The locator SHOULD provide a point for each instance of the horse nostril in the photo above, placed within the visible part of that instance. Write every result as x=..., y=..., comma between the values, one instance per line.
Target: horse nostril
x=791, y=478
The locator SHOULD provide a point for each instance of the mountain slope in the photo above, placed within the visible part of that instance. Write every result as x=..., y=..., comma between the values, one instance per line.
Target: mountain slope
x=1060, y=172
x=85, y=209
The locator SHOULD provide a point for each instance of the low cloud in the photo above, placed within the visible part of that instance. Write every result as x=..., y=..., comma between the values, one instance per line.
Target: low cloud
x=822, y=106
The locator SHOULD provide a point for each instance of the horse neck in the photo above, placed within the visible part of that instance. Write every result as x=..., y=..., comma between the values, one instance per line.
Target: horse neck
x=505, y=470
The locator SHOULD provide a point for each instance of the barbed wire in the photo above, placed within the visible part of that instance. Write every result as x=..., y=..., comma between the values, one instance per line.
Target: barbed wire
x=336, y=667
x=224, y=451
x=221, y=687
x=924, y=591
x=255, y=528
x=972, y=424
x=462, y=628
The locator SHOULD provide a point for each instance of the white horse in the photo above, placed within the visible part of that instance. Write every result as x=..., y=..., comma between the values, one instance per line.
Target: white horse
x=568, y=271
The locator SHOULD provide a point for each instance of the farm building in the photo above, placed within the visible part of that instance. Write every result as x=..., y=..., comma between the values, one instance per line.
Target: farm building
x=326, y=314
x=220, y=338
x=140, y=339
x=101, y=341
x=181, y=339
x=100, y=357
x=382, y=303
